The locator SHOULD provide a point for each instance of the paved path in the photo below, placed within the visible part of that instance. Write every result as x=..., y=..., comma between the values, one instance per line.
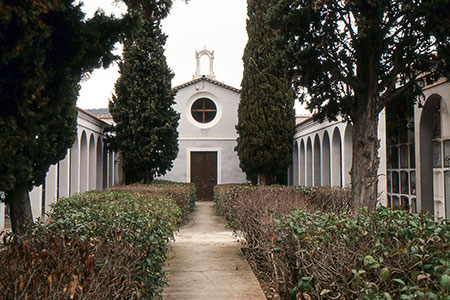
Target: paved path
x=206, y=262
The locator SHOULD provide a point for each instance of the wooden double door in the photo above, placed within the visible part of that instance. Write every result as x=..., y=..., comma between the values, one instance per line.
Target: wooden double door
x=204, y=174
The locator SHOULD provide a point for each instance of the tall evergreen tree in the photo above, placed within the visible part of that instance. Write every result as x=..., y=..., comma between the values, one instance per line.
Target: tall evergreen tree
x=46, y=47
x=146, y=124
x=352, y=58
x=266, y=111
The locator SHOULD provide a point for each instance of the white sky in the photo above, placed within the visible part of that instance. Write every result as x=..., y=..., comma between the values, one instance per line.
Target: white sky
x=217, y=24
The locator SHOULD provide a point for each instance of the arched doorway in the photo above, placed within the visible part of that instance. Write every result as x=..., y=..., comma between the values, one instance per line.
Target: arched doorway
x=434, y=158
x=326, y=178
x=295, y=169
x=92, y=164
x=302, y=163
x=309, y=178
x=74, y=167
x=336, y=179
x=317, y=162
x=83, y=163
x=99, y=163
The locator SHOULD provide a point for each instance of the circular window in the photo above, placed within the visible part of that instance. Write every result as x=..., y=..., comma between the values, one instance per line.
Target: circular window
x=203, y=110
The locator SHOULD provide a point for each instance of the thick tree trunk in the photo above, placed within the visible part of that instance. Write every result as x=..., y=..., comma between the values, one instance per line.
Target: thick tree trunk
x=365, y=161
x=148, y=178
x=20, y=207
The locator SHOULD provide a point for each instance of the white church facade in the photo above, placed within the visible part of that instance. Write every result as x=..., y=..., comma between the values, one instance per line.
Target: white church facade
x=207, y=134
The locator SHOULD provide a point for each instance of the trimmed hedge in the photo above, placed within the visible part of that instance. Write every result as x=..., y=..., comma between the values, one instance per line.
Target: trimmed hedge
x=280, y=199
x=182, y=193
x=97, y=245
x=251, y=211
x=305, y=243
x=387, y=254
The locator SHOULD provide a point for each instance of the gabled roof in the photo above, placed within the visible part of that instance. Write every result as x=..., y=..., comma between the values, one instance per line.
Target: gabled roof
x=204, y=78
x=99, y=112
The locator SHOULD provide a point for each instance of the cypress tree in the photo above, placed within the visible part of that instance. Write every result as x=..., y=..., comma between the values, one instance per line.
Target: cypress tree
x=266, y=118
x=46, y=47
x=146, y=124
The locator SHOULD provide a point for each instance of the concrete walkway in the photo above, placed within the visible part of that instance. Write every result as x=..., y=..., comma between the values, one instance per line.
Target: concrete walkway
x=206, y=262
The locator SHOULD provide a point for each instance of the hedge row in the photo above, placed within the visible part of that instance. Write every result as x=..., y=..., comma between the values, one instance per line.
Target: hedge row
x=182, y=193
x=97, y=245
x=387, y=254
x=305, y=243
x=235, y=202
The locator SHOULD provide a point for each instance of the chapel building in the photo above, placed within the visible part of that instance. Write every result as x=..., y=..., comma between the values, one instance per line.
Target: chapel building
x=207, y=134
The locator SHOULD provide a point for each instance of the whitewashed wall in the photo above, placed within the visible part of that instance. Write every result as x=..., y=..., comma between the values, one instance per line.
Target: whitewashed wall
x=219, y=135
x=323, y=154
x=87, y=166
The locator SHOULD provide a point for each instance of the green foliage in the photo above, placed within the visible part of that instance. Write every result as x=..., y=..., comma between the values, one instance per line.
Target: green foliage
x=126, y=234
x=146, y=124
x=46, y=47
x=266, y=110
x=349, y=56
x=252, y=211
x=183, y=194
x=305, y=243
x=387, y=254
x=352, y=58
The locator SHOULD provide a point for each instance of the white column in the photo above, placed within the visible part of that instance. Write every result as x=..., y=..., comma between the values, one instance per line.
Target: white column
x=2, y=216
x=347, y=155
x=336, y=160
x=51, y=187
x=382, y=168
x=64, y=172
x=36, y=201
x=92, y=165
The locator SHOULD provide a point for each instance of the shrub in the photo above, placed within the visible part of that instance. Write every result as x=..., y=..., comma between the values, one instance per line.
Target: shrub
x=251, y=211
x=322, y=250
x=97, y=245
x=388, y=254
x=182, y=193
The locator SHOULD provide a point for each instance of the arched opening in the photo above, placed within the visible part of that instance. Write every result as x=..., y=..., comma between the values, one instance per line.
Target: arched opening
x=317, y=162
x=309, y=162
x=92, y=164
x=83, y=163
x=110, y=168
x=74, y=167
x=63, y=177
x=430, y=150
x=348, y=155
x=295, y=170
x=205, y=63
x=105, y=168
x=336, y=163
x=326, y=176
x=99, y=164
x=302, y=163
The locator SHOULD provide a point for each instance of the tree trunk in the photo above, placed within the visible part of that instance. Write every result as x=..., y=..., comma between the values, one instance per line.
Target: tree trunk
x=365, y=161
x=261, y=179
x=20, y=207
x=148, y=178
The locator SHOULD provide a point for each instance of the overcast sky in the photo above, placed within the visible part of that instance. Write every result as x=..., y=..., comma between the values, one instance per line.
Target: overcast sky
x=218, y=25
